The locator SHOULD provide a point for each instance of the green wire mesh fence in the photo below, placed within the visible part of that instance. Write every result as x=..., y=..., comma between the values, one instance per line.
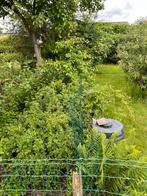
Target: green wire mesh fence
x=54, y=177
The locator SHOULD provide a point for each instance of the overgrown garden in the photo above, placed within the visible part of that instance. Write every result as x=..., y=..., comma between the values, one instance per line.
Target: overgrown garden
x=53, y=83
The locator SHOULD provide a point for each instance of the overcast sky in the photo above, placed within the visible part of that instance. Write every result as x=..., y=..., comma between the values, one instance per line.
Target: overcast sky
x=123, y=10
x=117, y=10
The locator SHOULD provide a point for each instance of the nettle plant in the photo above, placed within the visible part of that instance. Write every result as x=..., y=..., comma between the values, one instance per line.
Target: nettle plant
x=132, y=53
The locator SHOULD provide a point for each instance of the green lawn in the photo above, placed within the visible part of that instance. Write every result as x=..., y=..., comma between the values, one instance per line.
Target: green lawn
x=114, y=75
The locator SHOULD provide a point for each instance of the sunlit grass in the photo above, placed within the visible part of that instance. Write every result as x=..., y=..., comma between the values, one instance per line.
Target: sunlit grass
x=114, y=75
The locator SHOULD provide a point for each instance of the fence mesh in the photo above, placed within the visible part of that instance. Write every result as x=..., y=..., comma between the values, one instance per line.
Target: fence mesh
x=54, y=177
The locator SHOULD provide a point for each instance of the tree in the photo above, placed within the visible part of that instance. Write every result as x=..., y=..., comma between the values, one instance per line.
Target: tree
x=39, y=15
x=132, y=53
x=102, y=39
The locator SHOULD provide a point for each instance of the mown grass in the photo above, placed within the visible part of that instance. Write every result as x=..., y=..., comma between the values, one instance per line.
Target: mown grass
x=114, y=75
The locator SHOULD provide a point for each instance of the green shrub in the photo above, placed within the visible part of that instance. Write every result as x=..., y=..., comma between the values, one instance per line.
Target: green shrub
x=102, y=39
x=36, y=103
x=9, y=57
x=15, y=48
x=132, y=53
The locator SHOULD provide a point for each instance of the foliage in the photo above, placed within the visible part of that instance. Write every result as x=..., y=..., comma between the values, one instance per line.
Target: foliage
x=73, y=51
x=35, y=103
x=23, y=89
x=15, y=52
x=26, y=82
x=9, y=57
x=44, y=19
x=15, y=48
x=132, y=52
x=51, y=91
x=47, y=111
x=41, y=126
x=112, y=170
x=41, y=176
x=102, y=39
x=8, y=51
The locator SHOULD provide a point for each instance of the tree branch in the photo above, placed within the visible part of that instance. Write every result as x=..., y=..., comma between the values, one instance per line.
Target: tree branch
x=34, y=7
x=26, y=24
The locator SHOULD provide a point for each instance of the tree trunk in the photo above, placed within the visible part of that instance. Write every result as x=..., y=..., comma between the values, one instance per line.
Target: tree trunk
x=37, y=49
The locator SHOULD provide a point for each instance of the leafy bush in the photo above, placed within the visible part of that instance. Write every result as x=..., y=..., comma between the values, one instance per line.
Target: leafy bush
x=132, y=53
x=8, y=53
x=72, y=50
x=39, y=107
x=9, y=57
x=15, y=48
x=102, y=39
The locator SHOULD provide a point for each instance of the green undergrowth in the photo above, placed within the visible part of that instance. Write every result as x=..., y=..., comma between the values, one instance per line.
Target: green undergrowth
x=113, y=75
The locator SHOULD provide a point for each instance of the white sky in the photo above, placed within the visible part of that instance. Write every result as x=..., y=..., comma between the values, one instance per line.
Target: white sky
x=123, y=10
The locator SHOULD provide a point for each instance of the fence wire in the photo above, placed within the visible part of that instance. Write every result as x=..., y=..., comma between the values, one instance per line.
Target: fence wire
x=54, y=177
